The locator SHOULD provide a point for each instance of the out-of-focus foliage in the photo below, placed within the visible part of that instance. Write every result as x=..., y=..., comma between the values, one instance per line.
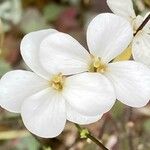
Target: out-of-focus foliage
x=32, y=20
x=52, y=11
x=29, y=143
x=10, y=12
x=146, y=126
x=118, y=110
x=4, y=67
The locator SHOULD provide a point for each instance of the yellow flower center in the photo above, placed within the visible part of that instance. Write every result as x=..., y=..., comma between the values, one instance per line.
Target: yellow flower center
x=97, y=65
x=57, y=82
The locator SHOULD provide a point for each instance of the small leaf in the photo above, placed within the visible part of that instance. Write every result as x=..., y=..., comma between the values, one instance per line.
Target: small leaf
x=125, y=55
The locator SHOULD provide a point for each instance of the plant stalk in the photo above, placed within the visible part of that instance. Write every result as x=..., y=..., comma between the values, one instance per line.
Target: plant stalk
x=89, y=136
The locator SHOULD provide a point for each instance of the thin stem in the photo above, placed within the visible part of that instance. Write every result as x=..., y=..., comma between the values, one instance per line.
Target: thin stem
x=143, y=24
x=96, y=141
x=92, y=138
x=78, y=127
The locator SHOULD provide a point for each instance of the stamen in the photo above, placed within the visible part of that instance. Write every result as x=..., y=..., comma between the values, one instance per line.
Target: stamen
x=97, y=65
x=57, y=82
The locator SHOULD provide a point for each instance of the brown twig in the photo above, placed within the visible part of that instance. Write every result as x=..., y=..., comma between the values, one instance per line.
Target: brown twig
x=92, y=138
x=143, y=24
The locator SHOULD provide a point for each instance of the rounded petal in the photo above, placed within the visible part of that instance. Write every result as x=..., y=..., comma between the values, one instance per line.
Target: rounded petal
x=90, y=94
x=30, y=45
x=76, y=117
x=44, y=114
x=123, y=8
x=108, y=36
x=137, y=22
x=16, y=86
x=141, y=48
x=62, y=53
x=131, y=81
x=146, y=28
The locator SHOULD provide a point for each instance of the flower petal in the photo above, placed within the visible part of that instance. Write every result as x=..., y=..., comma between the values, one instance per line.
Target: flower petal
x=108, y=35
x=76, y=117
x=62, y=53
x=90, y=94
x=141, y=48
x=29, y=50
x=146, y=28
x=44, y=114
x=123, y=8
x=131, y=81
x=16, y=86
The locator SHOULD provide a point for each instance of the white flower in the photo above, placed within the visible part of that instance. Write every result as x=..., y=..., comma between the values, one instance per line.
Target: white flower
x=107, y=36
x=141, y=42
x=51, y=95
x=46, y=98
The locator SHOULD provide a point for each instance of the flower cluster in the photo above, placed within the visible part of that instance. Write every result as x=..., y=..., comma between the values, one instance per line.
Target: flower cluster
x=70, y=83
x=141, y=40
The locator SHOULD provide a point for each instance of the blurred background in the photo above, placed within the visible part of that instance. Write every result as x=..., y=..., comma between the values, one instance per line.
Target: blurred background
x=123, y=128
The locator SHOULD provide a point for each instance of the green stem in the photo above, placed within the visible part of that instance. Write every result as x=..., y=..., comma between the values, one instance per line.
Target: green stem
x=84, y=133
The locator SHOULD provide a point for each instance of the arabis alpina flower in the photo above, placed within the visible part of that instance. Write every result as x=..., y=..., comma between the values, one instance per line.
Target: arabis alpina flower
x=107, y=36
x=46, y=98
x=141, y=41
x=68, y=83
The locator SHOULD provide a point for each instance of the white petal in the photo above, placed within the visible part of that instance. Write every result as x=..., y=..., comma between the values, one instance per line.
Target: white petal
x=147, y=26
x=141, y=48
x=137, y=22
x=108, y=35
x=131, y=81
x=30, y=46
x=123, y=8
x=16, y=86
x=44, y=114
x=62, y=53
x=90, y=94
x=76, y=117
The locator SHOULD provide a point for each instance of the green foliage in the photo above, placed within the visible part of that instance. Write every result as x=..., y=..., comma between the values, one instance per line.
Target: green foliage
x=52, y=11
x=32, y=20
x=90, y=146
x=4, y=67
x=28, y=143
x=146, y=125
x=84, y=133
x=10, y=11
x=117, y=110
